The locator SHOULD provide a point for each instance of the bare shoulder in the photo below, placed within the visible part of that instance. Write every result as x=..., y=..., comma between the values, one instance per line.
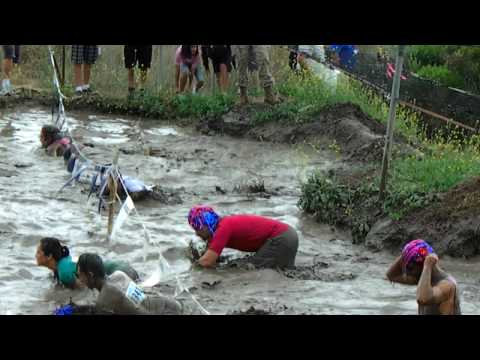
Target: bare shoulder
x=446, y=286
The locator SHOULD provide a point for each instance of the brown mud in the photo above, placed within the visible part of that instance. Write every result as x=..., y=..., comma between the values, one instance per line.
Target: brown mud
x=234, y=173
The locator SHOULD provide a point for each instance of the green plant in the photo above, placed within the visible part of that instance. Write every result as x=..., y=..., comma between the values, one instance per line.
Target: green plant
x=424, y=55
x=442, y=75
x=325, y=198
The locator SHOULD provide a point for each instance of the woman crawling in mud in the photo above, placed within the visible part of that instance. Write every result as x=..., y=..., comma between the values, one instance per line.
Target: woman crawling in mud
x=274, y=243
x=54, y=141
x=56, y=257
x=118, y=294
x=437, y=291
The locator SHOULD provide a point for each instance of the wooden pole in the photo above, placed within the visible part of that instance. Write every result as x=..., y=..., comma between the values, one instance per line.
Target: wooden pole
x=112, y=189
x=56, y=65
x=391, y=120
x=63, y=66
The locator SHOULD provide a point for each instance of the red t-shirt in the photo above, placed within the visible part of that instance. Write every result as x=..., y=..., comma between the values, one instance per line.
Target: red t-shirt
x=245, y=232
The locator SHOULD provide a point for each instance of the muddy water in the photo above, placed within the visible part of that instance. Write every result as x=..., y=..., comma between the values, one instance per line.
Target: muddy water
x=352, y=278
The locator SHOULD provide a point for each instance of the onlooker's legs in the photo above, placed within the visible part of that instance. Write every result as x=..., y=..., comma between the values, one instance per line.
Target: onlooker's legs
x=223, y=77
x=130, y=62
x=86, y=76
x=263, y=61
x=242, y=64
x=199, y=77
x=144, y=55
x=90, y=55
x=77, y=60
x=184, y=76
x=292, y=60
x=8, y=54
x=16, y=57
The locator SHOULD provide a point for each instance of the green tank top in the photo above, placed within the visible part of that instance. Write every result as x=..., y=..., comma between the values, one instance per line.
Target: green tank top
x=67, y=268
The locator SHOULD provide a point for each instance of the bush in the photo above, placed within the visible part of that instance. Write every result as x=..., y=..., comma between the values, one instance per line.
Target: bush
x=442, y=75
x=424, y=55
x=451, y=65
x=325, y=198
x=465, y=62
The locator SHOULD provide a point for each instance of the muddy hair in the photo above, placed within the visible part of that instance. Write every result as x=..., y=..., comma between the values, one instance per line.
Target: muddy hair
x=67, y=154
x=91, y=263
x=50, y=133
x=53, y=247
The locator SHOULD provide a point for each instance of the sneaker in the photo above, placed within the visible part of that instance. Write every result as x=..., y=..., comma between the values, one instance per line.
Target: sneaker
x=79, y=90
x=86, y=89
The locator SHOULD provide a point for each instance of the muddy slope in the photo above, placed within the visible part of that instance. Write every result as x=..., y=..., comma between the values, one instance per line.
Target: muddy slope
x=358, y=137
x=452, y=225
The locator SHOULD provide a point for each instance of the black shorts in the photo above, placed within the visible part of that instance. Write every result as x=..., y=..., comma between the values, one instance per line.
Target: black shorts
x=220, y=55
x=138, y=53
x=8, y=51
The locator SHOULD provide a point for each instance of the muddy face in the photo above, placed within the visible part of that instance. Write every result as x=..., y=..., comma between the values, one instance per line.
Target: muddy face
x=85, y=279
x=203, y=234
x=415, y=270
x=43, y=138
x=42, y=259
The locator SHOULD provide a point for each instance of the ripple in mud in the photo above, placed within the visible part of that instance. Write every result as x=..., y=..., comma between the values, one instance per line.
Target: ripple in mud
x=316, y=272
x=251, y=311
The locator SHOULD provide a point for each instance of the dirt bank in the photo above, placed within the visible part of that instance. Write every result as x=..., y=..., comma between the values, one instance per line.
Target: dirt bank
x=451, y=225
x=344, y=127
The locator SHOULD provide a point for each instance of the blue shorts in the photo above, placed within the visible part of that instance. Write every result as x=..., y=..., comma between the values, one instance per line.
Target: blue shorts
x=185, y=69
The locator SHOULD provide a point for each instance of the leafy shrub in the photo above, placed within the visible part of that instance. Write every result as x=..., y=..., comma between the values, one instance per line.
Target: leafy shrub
x=442, y=75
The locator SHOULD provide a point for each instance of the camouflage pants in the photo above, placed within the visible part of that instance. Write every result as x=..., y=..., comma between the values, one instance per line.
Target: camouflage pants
x=260, y=53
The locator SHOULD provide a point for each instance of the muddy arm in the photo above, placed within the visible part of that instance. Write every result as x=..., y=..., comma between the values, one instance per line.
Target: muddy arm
x=209, y=259
x=428, y=294
x=395, y=274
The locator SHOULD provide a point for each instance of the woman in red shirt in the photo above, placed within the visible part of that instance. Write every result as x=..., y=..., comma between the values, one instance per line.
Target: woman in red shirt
x=274, y=243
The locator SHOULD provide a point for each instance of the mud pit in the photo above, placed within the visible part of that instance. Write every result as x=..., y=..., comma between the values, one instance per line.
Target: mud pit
x=333, y=276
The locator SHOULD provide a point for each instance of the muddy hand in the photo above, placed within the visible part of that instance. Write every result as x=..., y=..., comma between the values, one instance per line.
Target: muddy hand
x=431, y=260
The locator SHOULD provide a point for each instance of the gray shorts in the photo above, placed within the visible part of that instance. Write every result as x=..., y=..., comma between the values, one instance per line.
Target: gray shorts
x=277, y=252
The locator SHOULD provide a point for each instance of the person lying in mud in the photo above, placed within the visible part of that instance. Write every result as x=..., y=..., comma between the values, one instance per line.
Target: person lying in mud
x=54, y=141
x=273, y=243
x=56, y=257
x=136, y=188
x=118, y=294
x=437, y=291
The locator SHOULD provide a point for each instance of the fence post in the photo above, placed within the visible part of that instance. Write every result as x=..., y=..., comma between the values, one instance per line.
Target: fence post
x=63, y=66
x=391, y=120
x=112, y=189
